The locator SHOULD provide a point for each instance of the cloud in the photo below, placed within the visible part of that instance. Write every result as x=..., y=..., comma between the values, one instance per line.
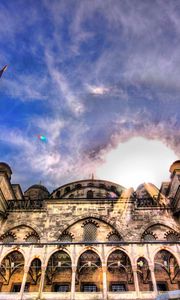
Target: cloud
x=97, y=90
x=64, y=59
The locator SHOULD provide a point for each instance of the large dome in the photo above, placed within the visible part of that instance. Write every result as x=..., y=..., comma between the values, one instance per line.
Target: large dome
x=88, y=189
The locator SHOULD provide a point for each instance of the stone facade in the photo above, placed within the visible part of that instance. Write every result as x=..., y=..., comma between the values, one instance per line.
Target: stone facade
x=90, y=239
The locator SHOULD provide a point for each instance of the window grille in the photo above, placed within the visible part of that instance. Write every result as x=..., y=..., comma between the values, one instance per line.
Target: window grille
x=89, y=288
x=114, y=238
x=61, y=288
x=172, y=236
x=8, y=239
x=32, y=239
x=90, y=232
x=118, y=287
x=149, y=236
x=65, y=238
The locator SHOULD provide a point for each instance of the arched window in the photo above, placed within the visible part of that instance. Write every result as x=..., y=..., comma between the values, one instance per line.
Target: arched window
x=78, y=186
x=90, y=231
x=114, y=236
x=67, y=189
x=149, y=236
x=172, y=236
x=66, y=237
x=8, y=237
x=89, y=194
x=32, y=238
x=58, y=193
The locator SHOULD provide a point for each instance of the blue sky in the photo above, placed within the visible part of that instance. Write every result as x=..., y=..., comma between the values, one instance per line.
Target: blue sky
x=89, y=75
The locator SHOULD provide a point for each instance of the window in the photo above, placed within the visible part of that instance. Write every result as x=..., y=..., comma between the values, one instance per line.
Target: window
x=67, y=189
x=89, y=194
x=62, y=288
x=114, y=238
x=33, y=238
x=16, y=287
x=78, y=186
x=65, y=237
x=118, y=287
x=162, y=286
x=90, y=232
x=89, y=288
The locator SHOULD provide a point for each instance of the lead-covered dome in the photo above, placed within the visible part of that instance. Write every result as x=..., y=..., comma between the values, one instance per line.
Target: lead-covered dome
x=37, y=191
x=88, y=189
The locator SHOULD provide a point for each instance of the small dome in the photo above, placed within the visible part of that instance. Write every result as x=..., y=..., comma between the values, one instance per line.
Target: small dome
x=175, y=166
x=6, y=169
x=37, y=191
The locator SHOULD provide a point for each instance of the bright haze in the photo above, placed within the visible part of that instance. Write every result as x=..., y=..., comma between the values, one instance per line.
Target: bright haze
x=99, y=80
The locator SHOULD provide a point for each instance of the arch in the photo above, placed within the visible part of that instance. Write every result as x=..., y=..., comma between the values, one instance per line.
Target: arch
x=166, y=270
x=89, y=272
x=86, y=216
x=164, y=223
x=159, y=232
x=118, y=248
x=86, y=249
x=119, y=272
x=48, y=256
x=144, y=274
x=169, y=249
x=11, y=250
x=26, y=224
x=142, y=256
x=12, y=271
x=58, y=272
x=34, y=275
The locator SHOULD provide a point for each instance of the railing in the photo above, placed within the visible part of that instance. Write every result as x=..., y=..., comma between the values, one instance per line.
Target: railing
x=28, y=204
x=145, y=202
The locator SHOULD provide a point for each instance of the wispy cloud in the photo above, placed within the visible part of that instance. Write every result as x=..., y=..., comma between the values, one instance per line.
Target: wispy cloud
x=64, y=59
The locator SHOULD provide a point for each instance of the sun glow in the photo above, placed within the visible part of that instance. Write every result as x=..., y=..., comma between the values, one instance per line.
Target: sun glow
x=136, y=161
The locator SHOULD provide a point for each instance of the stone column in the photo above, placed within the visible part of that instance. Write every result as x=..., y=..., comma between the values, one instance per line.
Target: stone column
x=153, y=279
x=73, y=282
x=136, y=283
x=41, y=284
x=104, y=269
x=26, y=270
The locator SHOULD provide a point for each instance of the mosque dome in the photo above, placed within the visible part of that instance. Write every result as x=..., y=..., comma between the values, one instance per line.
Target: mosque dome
x=5, y=168
x=37, y=191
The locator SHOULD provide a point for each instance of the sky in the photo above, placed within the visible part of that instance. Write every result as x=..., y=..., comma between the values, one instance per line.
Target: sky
x=100, y=79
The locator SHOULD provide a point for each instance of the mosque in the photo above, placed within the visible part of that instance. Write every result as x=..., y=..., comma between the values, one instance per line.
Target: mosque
x=90, y=240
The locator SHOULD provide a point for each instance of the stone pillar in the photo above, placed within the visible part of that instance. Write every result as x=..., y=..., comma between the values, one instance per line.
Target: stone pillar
x=153, y=279
x=136, y=283
x=26, y=270
x=73, y=282
x=104, y=269
x=41, y=284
